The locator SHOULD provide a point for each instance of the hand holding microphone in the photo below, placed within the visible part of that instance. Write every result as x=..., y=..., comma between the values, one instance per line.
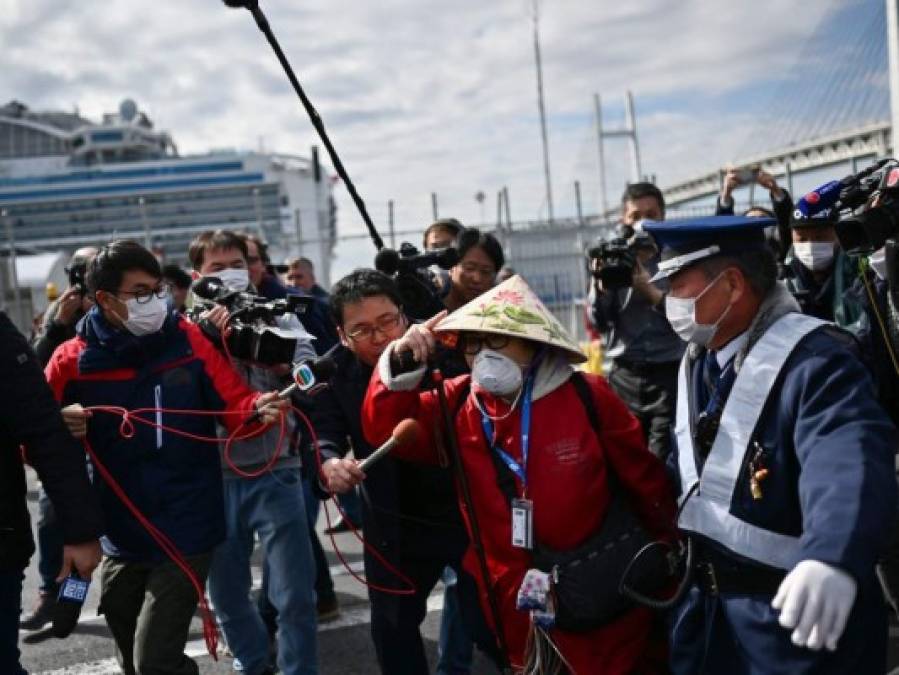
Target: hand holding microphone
x=308, y=376
x=344, y=474
x=419, y=341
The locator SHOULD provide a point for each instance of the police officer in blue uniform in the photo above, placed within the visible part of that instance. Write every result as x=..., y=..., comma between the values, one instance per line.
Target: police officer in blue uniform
x=784, y=462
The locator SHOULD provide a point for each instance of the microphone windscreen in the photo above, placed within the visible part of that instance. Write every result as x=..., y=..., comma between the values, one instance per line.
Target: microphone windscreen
x=208, y=288
x=406, y=431
x=325, y=368
x=387, y=261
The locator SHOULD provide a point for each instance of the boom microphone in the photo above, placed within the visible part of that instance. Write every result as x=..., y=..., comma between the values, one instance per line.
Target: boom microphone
x=404, y=433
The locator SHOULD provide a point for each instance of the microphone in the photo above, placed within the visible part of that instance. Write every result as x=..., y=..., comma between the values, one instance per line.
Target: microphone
x=403, y=362
x=308, y=375
x=404, y=433
x=209, y=288
x=387, y=261
x=72, y=594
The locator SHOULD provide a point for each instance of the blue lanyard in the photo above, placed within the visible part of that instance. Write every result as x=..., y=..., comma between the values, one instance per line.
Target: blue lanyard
x=520, y=470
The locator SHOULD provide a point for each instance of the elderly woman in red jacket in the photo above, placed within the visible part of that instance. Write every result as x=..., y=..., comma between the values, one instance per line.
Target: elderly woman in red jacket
x=520, y=405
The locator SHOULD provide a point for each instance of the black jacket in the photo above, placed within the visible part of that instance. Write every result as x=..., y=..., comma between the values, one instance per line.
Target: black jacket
x=53, y=333
x=409, y=510
x=30, y=416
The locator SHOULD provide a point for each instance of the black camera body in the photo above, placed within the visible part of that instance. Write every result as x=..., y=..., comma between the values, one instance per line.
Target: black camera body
x=617, y=262
x=252, y=335
x=77, y=272
x=864, y=233
x=415, y=283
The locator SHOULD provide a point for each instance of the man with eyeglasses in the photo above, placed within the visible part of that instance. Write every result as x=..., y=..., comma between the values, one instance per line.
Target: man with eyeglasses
x=133, y=351
x=409, y=512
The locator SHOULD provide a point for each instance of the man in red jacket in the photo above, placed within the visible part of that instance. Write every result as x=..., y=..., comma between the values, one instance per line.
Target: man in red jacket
x=133, y=351
x=521, y=368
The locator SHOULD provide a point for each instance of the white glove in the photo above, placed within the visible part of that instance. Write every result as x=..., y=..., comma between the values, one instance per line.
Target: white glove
x=814, y=602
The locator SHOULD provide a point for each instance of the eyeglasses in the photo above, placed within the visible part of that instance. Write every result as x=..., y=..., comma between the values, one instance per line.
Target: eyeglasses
x=472, y=343
x=384, y=325
x=162, y=291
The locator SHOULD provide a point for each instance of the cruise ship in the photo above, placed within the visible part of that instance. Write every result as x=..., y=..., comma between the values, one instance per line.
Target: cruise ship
x=66, y=181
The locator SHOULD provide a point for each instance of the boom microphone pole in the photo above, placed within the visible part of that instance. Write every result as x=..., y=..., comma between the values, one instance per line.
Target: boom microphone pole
x=262, y=22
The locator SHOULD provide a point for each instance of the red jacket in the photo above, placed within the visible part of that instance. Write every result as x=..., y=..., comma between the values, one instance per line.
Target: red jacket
x=567, y=481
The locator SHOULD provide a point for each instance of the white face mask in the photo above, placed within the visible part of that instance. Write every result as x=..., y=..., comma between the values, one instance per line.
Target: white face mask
x=234, y=279
x=878, y=262
x=814, y=255
x=681, y=313
x=496, y=373
x=148, y=317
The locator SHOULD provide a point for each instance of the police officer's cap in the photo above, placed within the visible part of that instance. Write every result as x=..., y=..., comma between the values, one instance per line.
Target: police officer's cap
x=685, y=242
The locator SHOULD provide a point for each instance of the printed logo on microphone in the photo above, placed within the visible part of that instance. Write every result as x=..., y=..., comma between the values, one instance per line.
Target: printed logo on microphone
x=813, y=198
x=304, y=377
x=893, y=177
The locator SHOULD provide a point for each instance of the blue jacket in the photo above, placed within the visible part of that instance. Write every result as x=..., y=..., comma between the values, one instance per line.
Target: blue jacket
x=174, y=481
x=829, y=450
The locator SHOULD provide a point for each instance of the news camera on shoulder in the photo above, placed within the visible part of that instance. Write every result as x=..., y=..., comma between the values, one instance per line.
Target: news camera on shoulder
x=226, y=307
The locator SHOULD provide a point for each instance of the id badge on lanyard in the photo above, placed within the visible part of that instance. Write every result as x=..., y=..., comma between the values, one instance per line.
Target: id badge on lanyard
x=522, y=508
x=523, y=524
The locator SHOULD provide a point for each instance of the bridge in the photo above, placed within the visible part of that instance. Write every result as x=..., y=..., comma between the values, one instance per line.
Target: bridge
x=840, y=118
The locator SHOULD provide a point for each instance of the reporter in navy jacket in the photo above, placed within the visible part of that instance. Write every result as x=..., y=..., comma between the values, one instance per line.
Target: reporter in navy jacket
x=133, y=351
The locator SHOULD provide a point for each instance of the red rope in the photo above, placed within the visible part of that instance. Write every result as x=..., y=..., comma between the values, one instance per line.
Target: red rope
x=410, y=590
x=127, y=430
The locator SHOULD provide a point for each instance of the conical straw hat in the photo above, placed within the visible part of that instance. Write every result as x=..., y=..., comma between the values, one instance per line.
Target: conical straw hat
x=512, y=308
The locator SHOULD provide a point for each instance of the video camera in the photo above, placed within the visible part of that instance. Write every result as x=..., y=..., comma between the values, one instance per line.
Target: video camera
x=870, y=230
x=253, y=335
x=77, y=272
x=865, y=232
x=616, y=262
x=415, y=283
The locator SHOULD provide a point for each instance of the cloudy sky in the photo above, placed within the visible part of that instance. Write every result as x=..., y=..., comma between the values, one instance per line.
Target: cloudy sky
x=423, y=96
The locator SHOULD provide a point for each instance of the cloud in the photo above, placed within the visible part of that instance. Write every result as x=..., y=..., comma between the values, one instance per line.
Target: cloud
x=421, y=95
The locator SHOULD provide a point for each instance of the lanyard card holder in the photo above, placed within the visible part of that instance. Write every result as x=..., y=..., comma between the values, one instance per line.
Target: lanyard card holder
x=523, y=524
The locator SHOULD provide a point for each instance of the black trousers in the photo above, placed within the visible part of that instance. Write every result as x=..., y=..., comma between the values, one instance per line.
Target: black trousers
x=650, y=392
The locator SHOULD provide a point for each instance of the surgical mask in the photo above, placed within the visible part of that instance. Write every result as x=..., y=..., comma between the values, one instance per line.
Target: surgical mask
x=878, y=262
x=814, y=255
x=234, y=279
x=496, y=373
x=681, y=313
x=147, y=317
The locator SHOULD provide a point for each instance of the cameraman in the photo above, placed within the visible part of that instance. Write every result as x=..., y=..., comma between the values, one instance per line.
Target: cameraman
x=58, y=326
x=64, y=312
x=269, y=505
x=645, y=351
